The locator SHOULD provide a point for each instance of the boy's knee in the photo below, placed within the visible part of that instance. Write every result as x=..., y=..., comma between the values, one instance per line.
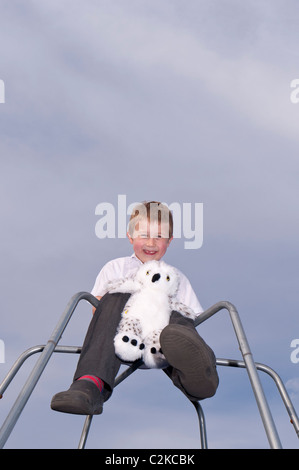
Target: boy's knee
x=112, y=303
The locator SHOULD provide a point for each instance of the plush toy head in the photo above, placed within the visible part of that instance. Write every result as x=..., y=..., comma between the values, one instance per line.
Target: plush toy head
x=157, y=275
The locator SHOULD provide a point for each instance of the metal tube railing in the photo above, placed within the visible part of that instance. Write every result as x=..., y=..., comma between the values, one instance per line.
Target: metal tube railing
x=28, y=353
x=263, y=407
x=118, y=380
x=51, y=346
x=202, y=424
x=220, y=362
x=279, y=383
x=33, y=378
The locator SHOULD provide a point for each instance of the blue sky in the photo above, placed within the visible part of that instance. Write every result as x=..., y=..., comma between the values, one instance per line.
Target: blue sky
x=165, y=100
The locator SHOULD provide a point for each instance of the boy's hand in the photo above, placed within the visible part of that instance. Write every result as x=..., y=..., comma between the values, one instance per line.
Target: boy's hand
x=93, y=308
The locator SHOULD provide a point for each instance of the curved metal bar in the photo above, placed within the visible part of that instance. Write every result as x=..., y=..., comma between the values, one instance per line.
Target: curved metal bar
x=17, y=365
x=279, y=383
x=33, y=378
x=263, y=407
x=202, y=424
x=51, y=346
x=25, y=355
x=62, y=349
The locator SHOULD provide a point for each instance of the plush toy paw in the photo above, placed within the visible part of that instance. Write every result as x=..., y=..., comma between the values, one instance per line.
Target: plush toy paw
x=128, y=347
x=152, y=355
x=154, y=359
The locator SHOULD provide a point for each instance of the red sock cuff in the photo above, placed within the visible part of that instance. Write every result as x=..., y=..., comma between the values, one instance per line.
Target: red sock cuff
x=96, y=380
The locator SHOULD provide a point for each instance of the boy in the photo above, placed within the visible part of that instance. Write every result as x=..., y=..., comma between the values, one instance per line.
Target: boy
x=192, y=364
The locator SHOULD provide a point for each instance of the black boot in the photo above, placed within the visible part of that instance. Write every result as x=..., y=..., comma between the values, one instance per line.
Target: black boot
x=82, y=398
x=192, y=361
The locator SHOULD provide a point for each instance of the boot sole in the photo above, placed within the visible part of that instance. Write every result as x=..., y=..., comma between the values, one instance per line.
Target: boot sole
x=188, y=353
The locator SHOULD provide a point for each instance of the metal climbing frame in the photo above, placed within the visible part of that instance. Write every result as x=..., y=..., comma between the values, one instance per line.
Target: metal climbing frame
x=52, y=346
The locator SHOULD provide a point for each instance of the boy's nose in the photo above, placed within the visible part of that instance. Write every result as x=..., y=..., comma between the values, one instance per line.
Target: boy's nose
x=156, y=277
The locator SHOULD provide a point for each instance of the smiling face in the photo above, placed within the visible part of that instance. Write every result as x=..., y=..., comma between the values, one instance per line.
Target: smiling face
x=150, y=240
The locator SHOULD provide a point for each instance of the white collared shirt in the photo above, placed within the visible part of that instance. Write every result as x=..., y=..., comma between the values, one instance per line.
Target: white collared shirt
x=127, y=266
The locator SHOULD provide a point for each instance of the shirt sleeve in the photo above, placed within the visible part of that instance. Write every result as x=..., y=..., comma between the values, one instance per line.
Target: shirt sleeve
x=106, y=275
x=187, y=296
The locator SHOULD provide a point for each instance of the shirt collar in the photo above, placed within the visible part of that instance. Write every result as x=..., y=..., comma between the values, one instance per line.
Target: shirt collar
x=137, y=259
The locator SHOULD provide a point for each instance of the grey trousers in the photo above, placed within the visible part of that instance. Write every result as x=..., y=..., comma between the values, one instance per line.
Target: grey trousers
x=98, y=355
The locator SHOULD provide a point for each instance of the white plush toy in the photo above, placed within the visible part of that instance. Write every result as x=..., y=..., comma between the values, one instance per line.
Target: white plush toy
x=147, y=312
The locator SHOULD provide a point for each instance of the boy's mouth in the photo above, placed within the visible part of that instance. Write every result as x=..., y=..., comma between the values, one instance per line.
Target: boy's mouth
x=150, y=252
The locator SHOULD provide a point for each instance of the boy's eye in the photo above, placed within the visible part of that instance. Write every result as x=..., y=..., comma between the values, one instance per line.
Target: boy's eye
x=140, y=234
x=167, y=278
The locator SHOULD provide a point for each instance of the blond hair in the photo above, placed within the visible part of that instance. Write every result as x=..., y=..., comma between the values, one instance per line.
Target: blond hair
x=152, y=211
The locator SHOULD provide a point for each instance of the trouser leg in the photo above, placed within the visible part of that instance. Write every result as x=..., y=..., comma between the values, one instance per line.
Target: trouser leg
x=98, y=355
x=192, y=362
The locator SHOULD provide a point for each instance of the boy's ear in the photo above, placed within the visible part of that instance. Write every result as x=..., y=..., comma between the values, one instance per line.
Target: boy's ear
x=130, y=238
x=170, y=239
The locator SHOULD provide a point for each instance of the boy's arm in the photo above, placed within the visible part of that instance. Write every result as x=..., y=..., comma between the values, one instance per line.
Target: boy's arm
x=99, y=283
